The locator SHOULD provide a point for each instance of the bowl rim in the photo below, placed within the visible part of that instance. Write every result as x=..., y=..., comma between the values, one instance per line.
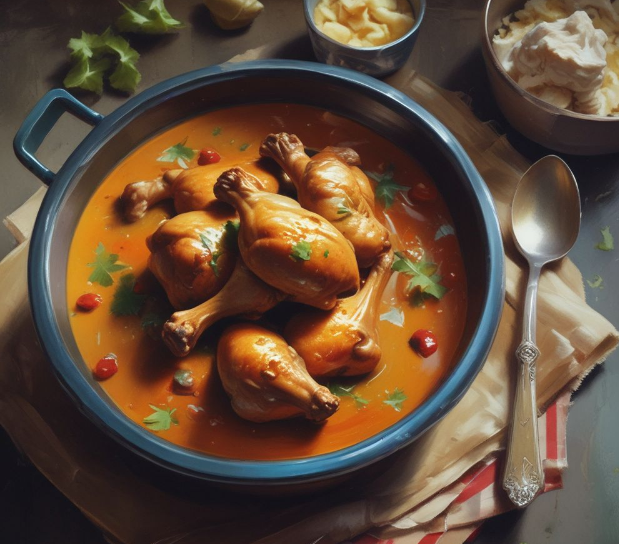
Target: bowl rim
x=231, y=471
x=523, y=93
x=309, y=18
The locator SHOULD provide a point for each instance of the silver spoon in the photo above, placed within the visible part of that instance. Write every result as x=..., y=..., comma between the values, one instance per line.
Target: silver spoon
x=545, y=223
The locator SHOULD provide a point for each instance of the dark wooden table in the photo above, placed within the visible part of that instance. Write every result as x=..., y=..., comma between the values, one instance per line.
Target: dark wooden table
x=34, y=58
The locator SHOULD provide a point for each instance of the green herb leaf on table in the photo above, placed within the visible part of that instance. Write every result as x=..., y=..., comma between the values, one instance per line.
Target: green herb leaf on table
x=147, y=17
x=126, y=301
x=597, y=283
x=395, y=399
x=161, y=419
x=93, y=55
x=608, y=242
x=105, y=265
x=126, y=76
x=178, y=153
x=394, y=316
x=387, y=188
x=423, y=276
x=443, y=230
x=301, y=251
x=340, y=390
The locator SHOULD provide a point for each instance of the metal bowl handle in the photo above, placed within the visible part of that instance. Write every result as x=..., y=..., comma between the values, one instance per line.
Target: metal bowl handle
x=40, y=121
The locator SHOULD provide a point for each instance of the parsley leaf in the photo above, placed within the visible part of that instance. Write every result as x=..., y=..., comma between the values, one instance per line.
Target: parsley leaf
x=161, y=419
x=301, y=251
x=87, y=74
x=395, y=399
x=423, y=276
x=608, y=242
x=126, y=301
x=104, y=265
x=232, y=233
x=93, y=55
x=147, y=17
x=126, y=76
x=216, y=131
x=341, y=390
x=243, y=147
x=597, y=282
x=178, y=153
x=342, y=209
x=326, y=253
x=387, y=187
x=394, y=316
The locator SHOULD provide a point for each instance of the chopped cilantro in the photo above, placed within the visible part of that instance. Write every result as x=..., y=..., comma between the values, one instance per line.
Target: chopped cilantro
x=161, y=419
x=216, y=131
x=147, y=17
x=394, y=316
x=341, y=390
x=243, y=147
x=395, y=399
x=342, y=208
x=301, y=251
x=597, y=282
x=104, y=265
x=326, y=253
x=608, y=242
x=387, y=187
x=423, y=276
x=232, y=233
x=126, y=301
x=443, y=230
x=178, y=153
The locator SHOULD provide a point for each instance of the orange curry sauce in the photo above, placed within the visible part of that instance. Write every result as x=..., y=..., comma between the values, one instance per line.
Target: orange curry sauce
x=206, y=421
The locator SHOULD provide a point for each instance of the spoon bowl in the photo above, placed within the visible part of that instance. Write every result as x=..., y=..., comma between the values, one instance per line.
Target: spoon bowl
x=546, y=211
x=545, y=223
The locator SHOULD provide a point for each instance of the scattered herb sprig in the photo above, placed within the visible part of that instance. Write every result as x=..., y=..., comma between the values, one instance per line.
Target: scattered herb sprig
x=423, y=276
x=395, y=399
x=161, y=419
x=301, y=251
x=386, y=188
x=340, y=390
x=104, y=265
x=126, y=301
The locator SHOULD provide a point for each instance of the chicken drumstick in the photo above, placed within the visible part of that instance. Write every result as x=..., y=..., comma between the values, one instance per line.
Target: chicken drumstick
x=292, y=249
x=266, y=379
x=331, y=185
x=243, y=294
x=344, y=341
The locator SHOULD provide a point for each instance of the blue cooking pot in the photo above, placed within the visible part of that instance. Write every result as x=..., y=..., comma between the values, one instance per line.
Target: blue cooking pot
x=361, y=98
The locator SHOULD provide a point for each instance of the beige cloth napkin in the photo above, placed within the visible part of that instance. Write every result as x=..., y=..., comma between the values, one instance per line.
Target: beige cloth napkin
x=135, y=505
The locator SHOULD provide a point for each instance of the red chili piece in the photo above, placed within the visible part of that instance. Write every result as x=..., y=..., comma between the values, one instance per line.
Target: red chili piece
x=424, y=342
x=423, y=192
x=88, y=302
x=106, y=367
x=208, y=156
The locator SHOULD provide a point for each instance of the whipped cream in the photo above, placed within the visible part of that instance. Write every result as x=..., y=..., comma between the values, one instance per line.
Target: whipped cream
x=565, y=53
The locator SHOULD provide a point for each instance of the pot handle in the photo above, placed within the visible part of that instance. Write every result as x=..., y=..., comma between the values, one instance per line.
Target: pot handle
x=40, y=121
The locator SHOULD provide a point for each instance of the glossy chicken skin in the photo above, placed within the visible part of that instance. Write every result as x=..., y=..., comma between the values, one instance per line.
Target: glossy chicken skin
x=243, y=294
x=294, y=250
x=331, y=185
x=344, y=341
x=266, y=379
x=191, y=189
x=192, y=256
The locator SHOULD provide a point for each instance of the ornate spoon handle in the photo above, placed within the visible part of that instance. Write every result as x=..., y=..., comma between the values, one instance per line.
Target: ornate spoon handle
x=524, y=475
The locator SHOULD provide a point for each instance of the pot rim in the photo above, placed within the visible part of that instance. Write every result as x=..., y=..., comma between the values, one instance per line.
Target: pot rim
x=230, y=471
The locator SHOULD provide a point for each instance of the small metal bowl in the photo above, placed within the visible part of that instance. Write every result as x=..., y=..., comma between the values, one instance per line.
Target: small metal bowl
x=556, y=128
x=375, y=61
